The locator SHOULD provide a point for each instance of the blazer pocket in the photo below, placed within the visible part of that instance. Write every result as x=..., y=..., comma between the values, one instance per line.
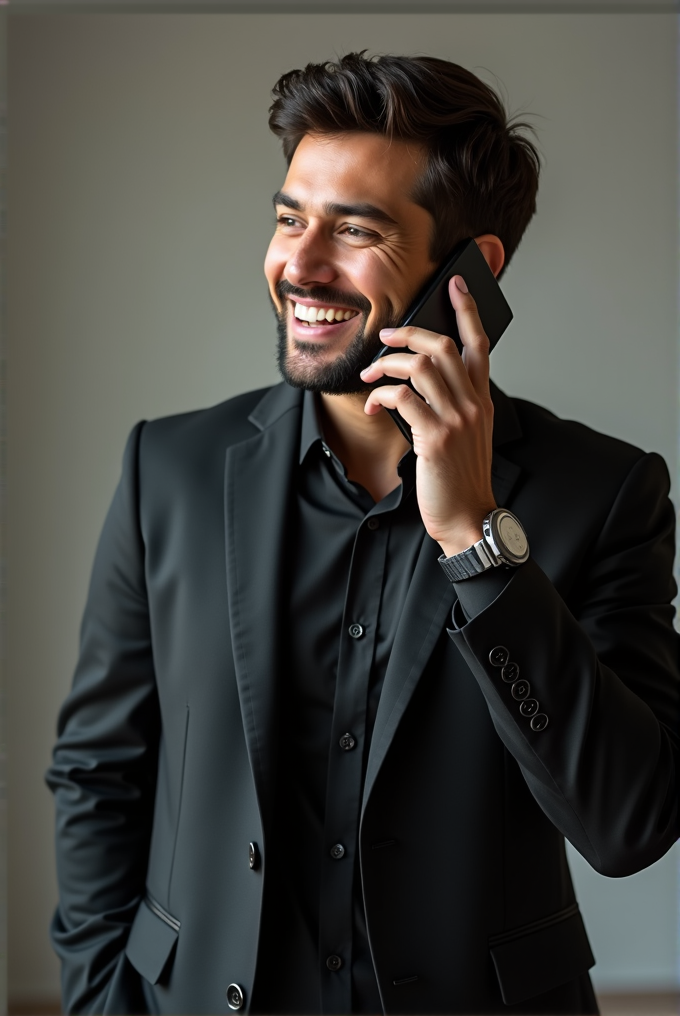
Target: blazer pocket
x=542, y=955
x=152, y=938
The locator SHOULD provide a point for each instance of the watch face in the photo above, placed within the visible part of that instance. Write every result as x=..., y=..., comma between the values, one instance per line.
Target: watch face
x=512, y=538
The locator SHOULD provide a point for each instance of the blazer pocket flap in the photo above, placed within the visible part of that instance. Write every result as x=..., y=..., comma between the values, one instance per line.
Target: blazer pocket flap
x=152, y=938
x=539, y=956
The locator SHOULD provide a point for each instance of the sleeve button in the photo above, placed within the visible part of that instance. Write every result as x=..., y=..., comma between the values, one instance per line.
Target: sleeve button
x=520, y=689
x=510, y=672
x=539, y=721
x=499, y=656
x=529, y=707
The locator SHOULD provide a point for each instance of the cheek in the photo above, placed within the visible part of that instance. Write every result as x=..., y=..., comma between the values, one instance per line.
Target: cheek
x=382, y=281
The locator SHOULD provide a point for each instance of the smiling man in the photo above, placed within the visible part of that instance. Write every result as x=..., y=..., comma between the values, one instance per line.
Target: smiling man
x=327, y=734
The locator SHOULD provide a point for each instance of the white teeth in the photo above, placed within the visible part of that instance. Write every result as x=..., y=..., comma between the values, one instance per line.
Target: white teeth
x=313, y=314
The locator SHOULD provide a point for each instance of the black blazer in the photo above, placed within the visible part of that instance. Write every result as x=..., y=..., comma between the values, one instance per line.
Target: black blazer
x=165, y=763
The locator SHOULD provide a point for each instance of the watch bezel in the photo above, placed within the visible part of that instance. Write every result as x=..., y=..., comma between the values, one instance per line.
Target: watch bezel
x=490, y=528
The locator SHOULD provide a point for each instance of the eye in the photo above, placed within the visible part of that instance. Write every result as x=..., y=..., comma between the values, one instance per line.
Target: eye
x=288, y=221
x=357, y=233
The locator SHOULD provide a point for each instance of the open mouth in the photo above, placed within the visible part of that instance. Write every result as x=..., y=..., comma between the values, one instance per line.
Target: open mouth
x=322, y=315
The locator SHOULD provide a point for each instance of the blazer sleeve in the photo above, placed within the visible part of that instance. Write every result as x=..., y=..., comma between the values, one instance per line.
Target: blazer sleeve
x=104, y=768
x=605, y=768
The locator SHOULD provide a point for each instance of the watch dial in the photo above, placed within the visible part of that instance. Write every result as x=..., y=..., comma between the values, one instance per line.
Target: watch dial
x=512, y=536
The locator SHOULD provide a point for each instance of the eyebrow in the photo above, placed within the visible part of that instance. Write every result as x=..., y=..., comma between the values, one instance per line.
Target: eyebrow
x=362, y=209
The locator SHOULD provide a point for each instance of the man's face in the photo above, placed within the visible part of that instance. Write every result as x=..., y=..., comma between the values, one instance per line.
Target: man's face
x=350, y=251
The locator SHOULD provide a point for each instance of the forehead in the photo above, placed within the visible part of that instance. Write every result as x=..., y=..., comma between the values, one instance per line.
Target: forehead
x=355, y=168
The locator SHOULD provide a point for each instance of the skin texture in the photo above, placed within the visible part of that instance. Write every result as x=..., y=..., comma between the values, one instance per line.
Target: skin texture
x=327, y=240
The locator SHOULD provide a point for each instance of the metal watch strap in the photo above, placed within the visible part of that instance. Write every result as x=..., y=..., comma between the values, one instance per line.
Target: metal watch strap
x=473, y=561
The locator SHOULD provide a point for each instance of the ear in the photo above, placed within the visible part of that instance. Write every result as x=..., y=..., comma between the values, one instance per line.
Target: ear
x=492, y=249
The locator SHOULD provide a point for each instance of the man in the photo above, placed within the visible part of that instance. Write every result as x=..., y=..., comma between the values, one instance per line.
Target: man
x=317, y=757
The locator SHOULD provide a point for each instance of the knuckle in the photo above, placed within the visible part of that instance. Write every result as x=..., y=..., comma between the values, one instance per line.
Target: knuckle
x=421, y=363
x=474, y=413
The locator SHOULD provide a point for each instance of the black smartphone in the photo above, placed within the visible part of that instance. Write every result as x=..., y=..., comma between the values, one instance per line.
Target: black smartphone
x=432, y=308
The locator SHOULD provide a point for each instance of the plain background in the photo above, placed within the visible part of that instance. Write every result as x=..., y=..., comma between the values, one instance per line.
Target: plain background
x=140, y=176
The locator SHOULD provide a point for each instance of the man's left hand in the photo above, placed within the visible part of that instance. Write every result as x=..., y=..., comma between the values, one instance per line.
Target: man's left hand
x=452, y=429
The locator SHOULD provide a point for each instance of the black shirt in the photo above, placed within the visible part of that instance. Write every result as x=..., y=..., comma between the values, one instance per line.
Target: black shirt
x=351, y=567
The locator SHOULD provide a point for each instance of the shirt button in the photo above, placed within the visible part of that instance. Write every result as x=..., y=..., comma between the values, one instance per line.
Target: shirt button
x=373, y=523
x=333, y=962
x=346, y=742
x=235, y=996
x=337, y=851
x=326, y=449
x=253, y=856
x=356, y=631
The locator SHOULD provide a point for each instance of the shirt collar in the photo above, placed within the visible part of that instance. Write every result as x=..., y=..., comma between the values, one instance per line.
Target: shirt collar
x=311, y=430
x=311, y=434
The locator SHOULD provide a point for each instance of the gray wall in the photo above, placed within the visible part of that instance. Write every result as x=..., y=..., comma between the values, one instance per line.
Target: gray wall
x=141, y=171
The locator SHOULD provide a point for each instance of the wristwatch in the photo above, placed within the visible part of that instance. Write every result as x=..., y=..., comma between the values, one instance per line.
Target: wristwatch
x=504, y=542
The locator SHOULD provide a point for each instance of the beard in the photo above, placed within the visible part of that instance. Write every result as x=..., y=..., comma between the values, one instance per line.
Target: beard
x=342, y=376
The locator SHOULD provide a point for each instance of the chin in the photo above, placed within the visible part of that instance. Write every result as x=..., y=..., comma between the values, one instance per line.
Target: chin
x=315, y=369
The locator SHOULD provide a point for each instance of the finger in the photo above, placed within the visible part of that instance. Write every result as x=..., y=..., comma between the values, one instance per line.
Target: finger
x=407, y=403
x=472, y=335
x=441, y=349
x=420, y=370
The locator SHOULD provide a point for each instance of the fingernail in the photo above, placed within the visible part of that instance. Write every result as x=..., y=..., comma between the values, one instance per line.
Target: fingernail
x=460, y=284
x=387, y=331
x=365, y=370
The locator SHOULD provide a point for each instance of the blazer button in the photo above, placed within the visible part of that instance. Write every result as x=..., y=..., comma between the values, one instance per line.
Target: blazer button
x=235, y=996
x=333, y=962
x=337, y=851
x=346, y=742
x=356, y=631
x=253, y=856
x=539, y=721
x=499, y=656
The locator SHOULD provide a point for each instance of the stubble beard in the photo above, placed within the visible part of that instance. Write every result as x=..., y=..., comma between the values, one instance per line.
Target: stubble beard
x=342, y=375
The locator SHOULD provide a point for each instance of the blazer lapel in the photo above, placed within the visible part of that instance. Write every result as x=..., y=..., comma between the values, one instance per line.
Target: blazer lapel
x=429, y=603
x=259, y=475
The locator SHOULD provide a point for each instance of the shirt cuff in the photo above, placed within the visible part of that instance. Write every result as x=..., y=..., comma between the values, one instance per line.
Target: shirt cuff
x=479, y=592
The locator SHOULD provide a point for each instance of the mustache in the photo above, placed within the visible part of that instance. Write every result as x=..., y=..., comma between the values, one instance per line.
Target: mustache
x=324, y=294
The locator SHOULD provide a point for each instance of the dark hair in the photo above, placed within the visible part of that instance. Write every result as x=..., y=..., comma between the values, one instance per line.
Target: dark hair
x=482, y=173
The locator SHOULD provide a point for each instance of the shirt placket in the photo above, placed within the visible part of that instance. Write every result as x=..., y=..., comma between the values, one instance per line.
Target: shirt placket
x=345, y=764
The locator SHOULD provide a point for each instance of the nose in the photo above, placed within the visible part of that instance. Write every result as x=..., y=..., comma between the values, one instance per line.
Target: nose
x=311, y=261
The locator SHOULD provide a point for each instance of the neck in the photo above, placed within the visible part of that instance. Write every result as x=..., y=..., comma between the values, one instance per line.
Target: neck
x=369, y=447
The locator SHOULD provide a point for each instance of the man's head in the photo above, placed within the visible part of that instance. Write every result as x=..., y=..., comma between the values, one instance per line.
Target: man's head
x=390, y=162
